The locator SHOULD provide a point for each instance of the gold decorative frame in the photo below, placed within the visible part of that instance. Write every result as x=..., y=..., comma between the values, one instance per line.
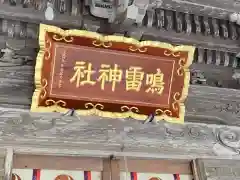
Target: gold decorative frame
x=96, y=108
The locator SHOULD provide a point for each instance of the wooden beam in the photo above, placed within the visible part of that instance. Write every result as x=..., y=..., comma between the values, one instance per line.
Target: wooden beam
x=149, y=33
x=4, y=174
x=106, y=173
x=8, y=164
x=54, y=134
x=111, y=169
x=115, y=169
x=217, y=9
x=198, y=40
x=153, y=33
x=21, y=161
x=31, y=15
x=23, y=43
x=156, y=166
x=198, y=170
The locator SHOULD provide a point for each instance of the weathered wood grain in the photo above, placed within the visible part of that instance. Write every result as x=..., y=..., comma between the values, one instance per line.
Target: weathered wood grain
x=23, y=43
x=209, y=169
x=34, y=16
x=106, y=173
x=152, y=33
x=200, y=41
x=21, y=161
x=8, y=164
x=156, y=166
x=218, y=9
x=55, y=134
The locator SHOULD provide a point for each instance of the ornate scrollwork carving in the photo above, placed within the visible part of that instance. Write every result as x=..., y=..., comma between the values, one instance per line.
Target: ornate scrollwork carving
x=43, y=89
x=51, y=102
x=48, y=46
x=97, y=106
x=139, y=49
x=95, y=109
x=175, y=106
x=129, y=109
x=174, y=131
x=67, y=39
x=180, y=70
x=229, y=139
x=165, y=112
x=99, y=43
x=197, y=132
x=172, y=53
x=176, y=97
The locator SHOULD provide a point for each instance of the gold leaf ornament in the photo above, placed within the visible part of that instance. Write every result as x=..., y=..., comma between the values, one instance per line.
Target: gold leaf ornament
x=100, y=43
x=66, y=38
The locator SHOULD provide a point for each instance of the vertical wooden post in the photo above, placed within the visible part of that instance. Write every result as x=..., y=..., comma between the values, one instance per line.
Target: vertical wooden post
x=115, y=169
x=197, y=174
x=106, y=173
x=8, y=164
x=111, y=169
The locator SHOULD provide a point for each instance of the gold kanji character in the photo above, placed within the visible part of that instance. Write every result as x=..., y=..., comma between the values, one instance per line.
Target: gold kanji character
x=104, y=75
x=107, y=74
x=82, y=74
x=155, y=81
x=134, y=77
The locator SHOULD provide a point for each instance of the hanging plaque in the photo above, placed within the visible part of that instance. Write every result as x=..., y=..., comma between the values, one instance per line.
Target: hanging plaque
x=110, y=76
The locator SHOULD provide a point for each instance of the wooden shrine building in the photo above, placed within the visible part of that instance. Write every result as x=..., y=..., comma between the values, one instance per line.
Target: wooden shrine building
x=62, y=146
